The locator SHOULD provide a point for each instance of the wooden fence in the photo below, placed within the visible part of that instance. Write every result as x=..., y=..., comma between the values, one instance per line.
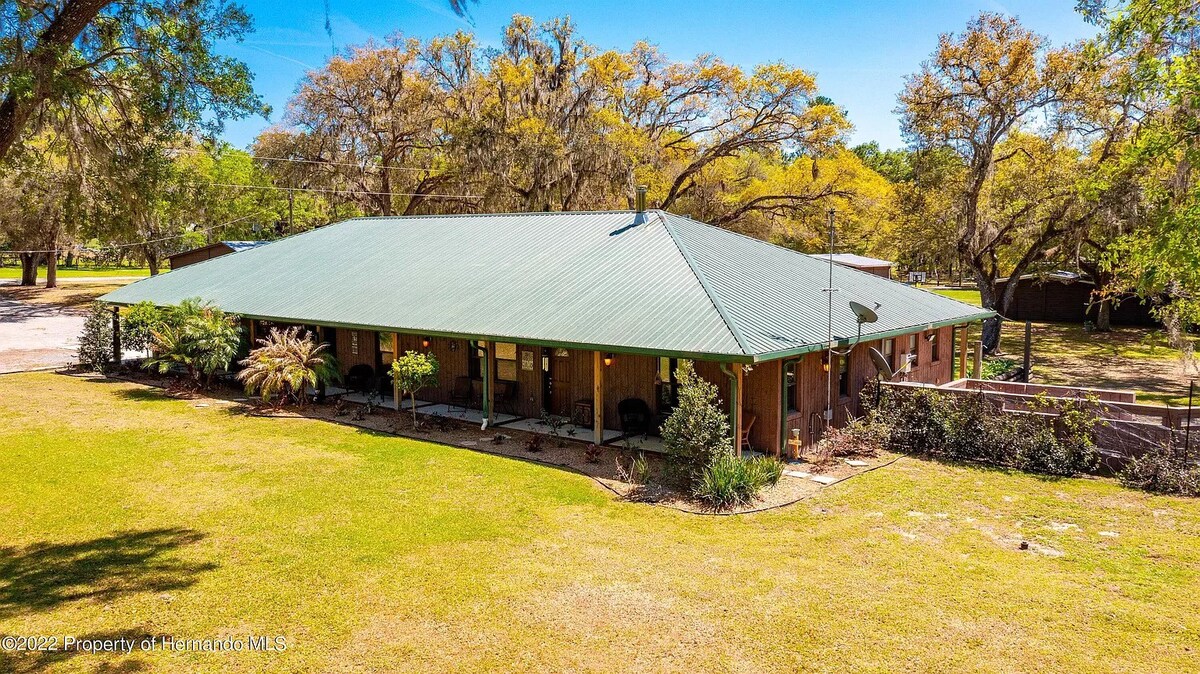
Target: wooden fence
x=1127, y=428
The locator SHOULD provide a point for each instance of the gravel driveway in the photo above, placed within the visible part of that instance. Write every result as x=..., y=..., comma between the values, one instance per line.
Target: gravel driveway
x=36, y=336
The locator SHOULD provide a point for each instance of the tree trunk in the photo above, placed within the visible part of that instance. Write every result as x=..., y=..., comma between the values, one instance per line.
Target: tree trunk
x=991, y=326
x=37, y=83
x=52, y=268
x=29, y=268
x=151, y=259
x=1104, y=316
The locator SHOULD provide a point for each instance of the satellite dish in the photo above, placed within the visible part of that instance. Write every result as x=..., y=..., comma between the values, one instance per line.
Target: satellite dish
x=865, y=314
x=881, y=362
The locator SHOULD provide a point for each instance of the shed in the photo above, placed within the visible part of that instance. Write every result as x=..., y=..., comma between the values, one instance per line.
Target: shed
x=870, y=265
x=210, y=251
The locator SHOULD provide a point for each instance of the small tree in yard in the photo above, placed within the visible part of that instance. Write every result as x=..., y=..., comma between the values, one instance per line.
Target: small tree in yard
x=697, y=432
x=138, y=324
x=198, y=336
x=96, y=341
x=286, y=365
x=412, y=372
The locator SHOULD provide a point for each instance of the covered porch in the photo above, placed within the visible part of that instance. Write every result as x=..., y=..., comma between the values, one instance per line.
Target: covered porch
x=602, y=397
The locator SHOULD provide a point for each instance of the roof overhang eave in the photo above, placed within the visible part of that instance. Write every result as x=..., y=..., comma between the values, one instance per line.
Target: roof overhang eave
x=531, y=341
x=870, y=337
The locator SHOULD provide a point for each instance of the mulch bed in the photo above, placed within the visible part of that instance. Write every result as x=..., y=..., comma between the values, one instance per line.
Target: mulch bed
x=605, y=466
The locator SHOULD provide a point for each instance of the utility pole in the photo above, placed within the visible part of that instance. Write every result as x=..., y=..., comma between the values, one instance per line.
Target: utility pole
x=829, y=331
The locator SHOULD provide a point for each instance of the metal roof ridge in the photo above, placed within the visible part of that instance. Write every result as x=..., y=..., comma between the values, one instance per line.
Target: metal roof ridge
x=712, y=296
x=417, y=216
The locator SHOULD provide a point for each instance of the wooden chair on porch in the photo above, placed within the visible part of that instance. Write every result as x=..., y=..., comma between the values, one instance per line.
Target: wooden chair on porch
x=747, y=424
x=463, y=393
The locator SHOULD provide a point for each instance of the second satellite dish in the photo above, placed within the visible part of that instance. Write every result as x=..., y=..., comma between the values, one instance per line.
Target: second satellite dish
x=881, y=363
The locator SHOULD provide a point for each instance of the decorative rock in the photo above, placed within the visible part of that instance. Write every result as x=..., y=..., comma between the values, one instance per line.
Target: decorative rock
x=856, y=463
x=1108, y=534
x=468, y=443
x=797, y=473
x=823, y=479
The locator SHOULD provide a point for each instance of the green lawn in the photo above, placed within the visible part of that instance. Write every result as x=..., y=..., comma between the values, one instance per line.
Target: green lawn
x=128, y=513
x=77, y=272
x=962, y=295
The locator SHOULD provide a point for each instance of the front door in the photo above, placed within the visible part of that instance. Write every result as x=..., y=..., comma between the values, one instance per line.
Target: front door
x=558, y=382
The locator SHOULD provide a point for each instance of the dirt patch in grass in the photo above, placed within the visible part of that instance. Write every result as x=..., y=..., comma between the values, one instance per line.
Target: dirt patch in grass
x=73, y=296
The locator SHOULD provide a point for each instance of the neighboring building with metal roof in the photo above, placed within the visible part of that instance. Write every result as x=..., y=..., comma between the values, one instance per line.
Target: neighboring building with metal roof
x=210, y=251
x=544, y=294
x=872, y=265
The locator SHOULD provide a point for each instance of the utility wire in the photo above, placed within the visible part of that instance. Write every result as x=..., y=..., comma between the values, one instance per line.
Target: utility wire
x=335, y=191
x=139, y=243
x=326, y=162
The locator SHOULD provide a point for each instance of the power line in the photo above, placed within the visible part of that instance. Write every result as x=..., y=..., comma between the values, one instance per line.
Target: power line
x=326, y=162
x=335, y=191
x=140, y=243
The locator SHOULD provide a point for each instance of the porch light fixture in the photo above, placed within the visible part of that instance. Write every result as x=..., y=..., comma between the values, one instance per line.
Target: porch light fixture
x=608, y=359
x=424, y=342
x=825, y=363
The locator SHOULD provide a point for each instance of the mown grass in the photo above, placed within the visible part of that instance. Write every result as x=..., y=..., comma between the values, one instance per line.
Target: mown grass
x=77, y=272
x=962, y=295
x=126, y=512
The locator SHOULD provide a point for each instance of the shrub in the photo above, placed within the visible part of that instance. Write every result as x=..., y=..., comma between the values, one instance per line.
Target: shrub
x=96, y=340
x=1054, y=436
x=197, y=336
x=729, y=482
x=412, y=372
x=285, y=365
x=697, y=431
x=858, y=438
x=1164, y=471
x=138, y=324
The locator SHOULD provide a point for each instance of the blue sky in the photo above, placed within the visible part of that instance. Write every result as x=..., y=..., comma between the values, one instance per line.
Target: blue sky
x=860, y=50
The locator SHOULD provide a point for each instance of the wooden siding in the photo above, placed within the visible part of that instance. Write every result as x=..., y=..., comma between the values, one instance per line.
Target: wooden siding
x=367, y=345
x=761, y=396
x=628, y=377
x=198, y=255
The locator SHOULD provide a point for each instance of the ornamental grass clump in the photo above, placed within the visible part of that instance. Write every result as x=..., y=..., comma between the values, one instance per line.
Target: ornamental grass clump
x=729, y=482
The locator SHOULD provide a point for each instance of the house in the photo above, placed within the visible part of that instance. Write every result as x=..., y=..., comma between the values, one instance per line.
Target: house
x=1067, y=297
x=574, y=313
x=210, y=251
x=871, y=265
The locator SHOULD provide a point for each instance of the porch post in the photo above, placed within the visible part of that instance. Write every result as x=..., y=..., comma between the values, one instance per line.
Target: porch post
x=116, y=336
x=739, y=374
x=597, y=398
x=395, y=357
x=962, y=351
x=489, y=384
x=253, y=334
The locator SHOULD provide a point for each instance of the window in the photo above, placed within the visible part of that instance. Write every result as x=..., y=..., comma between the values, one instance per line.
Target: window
x=914, y=349
x=506, y=361
x=475, y=360
x=387, y=347
x=354, y=342
x=791, y=386
x=844, y=376
x=889, y=351
x=933, y=347
x=665, y=384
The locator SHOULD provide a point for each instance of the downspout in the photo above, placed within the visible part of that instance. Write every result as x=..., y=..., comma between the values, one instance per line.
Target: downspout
x=483, y=370
x=783, y=408
x=733, y=398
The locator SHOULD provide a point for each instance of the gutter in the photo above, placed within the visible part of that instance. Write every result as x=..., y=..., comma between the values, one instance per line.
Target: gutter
x=845, y=341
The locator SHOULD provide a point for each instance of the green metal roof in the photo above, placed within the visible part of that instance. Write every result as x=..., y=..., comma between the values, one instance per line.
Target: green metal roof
x=616, y=280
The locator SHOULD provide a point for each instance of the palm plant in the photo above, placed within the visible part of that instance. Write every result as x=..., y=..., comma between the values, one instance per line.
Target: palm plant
x=198, y=336
x=285, y=365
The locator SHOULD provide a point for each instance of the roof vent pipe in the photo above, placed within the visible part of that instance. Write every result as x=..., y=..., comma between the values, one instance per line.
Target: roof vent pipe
x=641, y=199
